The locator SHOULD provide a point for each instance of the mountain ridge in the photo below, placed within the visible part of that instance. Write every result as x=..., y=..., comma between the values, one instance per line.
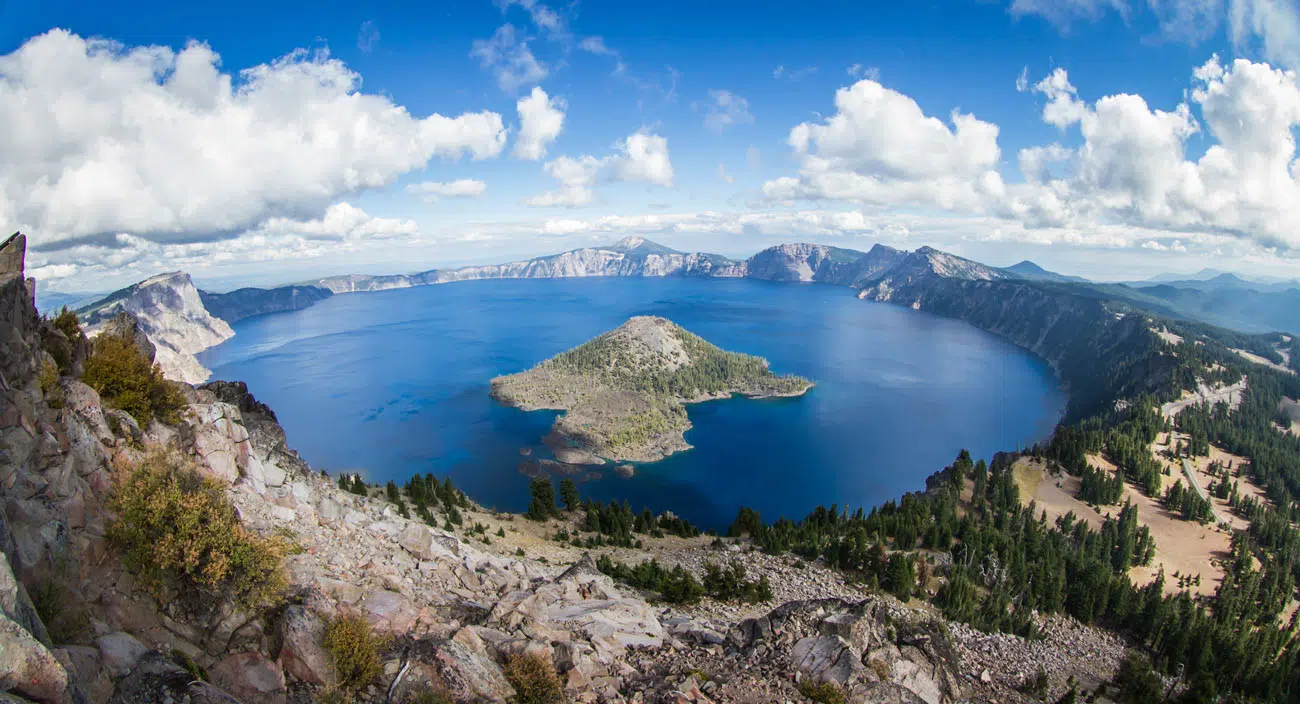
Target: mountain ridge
x=172, y=315
x=924, y=279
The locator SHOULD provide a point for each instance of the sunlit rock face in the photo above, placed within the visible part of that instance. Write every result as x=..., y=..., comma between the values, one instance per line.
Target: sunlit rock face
x=172, y=315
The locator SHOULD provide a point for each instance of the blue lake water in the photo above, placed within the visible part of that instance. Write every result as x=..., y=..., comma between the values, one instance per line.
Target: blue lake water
x=396, y=382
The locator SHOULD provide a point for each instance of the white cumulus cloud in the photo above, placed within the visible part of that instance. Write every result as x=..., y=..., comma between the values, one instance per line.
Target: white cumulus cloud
x=101, y=139
x=125, y=258
x=431, y=191
x=880, y=147
x=1130, y=173
x=541, y=118
x=575, y=177
x=643, y=157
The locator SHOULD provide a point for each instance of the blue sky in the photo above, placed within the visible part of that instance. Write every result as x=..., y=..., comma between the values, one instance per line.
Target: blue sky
x=1106, y=207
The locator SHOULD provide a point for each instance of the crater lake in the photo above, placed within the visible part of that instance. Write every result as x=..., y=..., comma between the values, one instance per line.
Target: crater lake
x=393, y=383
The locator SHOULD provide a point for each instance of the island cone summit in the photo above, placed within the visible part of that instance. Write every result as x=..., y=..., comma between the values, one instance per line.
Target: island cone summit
x=624, y=392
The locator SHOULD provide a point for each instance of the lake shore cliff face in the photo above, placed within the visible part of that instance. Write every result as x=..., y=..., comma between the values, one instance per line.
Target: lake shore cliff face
x=624, y=393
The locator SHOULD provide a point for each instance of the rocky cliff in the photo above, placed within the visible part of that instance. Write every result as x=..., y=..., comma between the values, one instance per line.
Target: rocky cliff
x=820, y=263
x=249, y=302
x=632, y=256
x=171, y=312
x=450, y=607
x=1099, y=349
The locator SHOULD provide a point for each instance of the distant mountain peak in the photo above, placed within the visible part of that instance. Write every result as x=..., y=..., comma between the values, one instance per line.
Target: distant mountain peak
x=170, y=278
x=1027, y=269
x=1027, y=266
x=631, y=242
x=641, y=245
x=955, y=267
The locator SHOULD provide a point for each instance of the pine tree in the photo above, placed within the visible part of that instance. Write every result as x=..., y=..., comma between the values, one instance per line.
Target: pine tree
x=542, y=505
x=569, y=494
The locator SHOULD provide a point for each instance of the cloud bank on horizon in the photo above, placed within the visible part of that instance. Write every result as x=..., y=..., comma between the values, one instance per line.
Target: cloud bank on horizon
x=121, y=161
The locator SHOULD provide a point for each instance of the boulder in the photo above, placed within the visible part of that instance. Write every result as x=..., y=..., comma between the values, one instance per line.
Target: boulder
x=157, y=680
x=17, y=605
x=423, y=543
x=301, y=653
x=28, y=668
x=826, y=659
x=251, y=677
x=119, y=652
x=123, y=424
x=389, y=612
x=329, y=510
x=469, y=668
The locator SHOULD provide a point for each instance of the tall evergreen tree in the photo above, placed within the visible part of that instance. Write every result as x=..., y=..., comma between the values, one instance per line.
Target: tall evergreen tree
x=542, y=505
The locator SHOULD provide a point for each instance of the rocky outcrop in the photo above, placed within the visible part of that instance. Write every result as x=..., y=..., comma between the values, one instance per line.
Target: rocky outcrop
x=874, y=650
x=249, y=302
x=172, y=315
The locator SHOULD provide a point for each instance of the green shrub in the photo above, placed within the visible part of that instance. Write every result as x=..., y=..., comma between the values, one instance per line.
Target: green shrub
x=125, y=379
x=177, y=530
x=729, y=584
x=354, y=649
x=66, y=322
x=880, y=667
x=822, y=692
x=677, y=586
x=48, y=379
x=534, y=679
x=65, y=618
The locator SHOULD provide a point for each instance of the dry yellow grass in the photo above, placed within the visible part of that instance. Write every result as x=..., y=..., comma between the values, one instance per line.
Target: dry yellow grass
x=1181, y=546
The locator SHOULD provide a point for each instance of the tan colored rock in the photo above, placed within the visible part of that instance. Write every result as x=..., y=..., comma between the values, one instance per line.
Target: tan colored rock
x=251, y=677
x=389, y=612
x=423, y=543
x=469, y=668
x=301, y=653
x=119, y=652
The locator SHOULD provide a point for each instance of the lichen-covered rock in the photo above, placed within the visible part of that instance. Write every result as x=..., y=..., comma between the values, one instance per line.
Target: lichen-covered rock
x=469, y=668
x=28, y=668
x=251, y=677
x=302, y=654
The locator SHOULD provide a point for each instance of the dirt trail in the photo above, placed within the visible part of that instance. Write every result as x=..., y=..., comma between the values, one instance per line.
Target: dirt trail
x=1196, y=484
x=1220, y=394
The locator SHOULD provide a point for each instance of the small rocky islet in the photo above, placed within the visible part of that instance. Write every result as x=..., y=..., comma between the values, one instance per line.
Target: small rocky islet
x=624, y=393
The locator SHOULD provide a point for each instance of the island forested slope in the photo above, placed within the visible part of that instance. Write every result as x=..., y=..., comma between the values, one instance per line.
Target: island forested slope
x=623, y=392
